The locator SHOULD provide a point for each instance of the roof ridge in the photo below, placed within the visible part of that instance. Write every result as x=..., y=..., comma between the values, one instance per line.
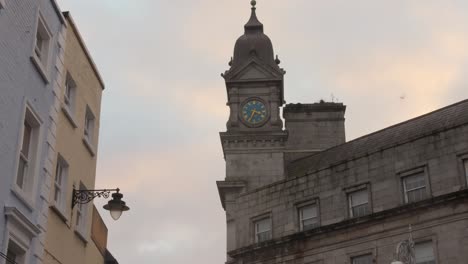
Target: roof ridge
x=384, y=129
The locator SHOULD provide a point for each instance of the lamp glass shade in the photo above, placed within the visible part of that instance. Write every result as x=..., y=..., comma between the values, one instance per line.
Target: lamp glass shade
x=115, y=213
x=116, y=206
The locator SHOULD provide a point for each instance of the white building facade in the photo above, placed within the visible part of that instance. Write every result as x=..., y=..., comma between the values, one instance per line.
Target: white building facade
x=32, y=39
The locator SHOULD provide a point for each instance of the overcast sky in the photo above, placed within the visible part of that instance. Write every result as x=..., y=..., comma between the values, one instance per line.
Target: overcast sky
x=165, y=100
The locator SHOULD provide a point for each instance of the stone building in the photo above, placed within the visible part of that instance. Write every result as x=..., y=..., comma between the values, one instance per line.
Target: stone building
x=76, y=235
x=50, y=96
x=303, y=195
x=32, y=37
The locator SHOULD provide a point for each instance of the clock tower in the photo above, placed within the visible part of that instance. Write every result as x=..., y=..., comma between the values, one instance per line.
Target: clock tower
x=254, y=142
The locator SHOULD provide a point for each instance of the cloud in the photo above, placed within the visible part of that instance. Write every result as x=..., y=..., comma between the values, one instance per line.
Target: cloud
x=165, y=101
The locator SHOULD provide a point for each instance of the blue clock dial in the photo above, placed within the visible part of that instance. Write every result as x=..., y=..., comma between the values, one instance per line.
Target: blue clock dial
x=254, y=112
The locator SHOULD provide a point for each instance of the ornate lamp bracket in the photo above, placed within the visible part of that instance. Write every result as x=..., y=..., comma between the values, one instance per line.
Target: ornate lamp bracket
x=86, y=196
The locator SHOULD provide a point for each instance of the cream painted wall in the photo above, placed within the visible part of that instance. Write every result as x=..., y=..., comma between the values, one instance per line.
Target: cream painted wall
x=63, y=242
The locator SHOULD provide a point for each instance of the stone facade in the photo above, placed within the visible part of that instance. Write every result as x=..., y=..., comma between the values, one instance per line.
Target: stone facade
x=309, y=197
x=43, y=127
x=70, y=237
x=31, y=64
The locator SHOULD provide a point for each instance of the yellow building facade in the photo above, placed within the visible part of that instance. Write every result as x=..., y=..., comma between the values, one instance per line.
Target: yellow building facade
x=76, y=235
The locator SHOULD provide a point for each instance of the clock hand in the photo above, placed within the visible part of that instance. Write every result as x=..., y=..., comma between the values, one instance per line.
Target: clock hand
x=251, y=115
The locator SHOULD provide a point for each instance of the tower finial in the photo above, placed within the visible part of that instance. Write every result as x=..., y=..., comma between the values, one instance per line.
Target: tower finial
x=253, y=3
x=253, y=25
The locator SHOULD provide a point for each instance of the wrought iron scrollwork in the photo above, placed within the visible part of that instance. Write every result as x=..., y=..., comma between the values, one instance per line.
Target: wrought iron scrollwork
x=86, y=196
x=405, y=250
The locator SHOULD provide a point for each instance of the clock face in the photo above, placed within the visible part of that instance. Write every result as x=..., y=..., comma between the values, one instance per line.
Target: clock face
x=254, y=112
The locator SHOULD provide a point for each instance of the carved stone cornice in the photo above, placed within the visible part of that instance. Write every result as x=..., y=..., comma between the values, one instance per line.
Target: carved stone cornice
x=257, y=142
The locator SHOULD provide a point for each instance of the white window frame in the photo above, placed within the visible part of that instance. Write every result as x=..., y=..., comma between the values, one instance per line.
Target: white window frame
x=302, y=219
x=81, y=220
x=26, y=190
x=406, y=190
x=257, y=233
x=41, y=52
x=351, y=206
x=24, y=161
x=354, y=259
x=59, y=196
x=425, y=261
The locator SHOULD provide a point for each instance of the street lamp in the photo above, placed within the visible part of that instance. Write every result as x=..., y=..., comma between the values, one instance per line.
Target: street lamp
x=116, y=206
x=405, y=251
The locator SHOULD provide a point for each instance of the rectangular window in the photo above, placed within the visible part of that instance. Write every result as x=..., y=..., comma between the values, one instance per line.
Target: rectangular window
x=308, y=217
x=11, y=256
x=69, y=94
x=358, y=203
x=25, y=174
x=42, y=43
x=414, y=187
x=364, y=259
x=262, y=230
x=15, y=253
x=89, y=125
x=24, y=161
x=81, y=210
x=61, y=174
x=424, y=253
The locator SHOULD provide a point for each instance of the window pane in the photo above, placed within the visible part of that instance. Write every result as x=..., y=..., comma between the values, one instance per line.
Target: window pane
x=39, y=45
x=263, y=225
x=22, y=170
x=424, y=253
x=57, y=194
x=360, y=210
x=415, y=182
x=26, y=139
x=359, y=197
x=416, y=195
x=11, y=256
x=263, y=236
x=58, y=173
x=309, y=223
x=465, y=162
x=366, y=259
x=308, y=212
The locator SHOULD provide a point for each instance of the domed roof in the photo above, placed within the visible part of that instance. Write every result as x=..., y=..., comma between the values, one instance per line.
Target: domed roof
x=253, y=43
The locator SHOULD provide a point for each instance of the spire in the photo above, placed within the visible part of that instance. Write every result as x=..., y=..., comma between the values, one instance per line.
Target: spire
x=253, y=25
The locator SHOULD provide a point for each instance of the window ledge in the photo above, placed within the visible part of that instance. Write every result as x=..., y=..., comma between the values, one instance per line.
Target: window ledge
x=60, y=213
x=81, y=236
x=89, y=146
x=22, y=198
x=69, y=115
x=40, y=68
